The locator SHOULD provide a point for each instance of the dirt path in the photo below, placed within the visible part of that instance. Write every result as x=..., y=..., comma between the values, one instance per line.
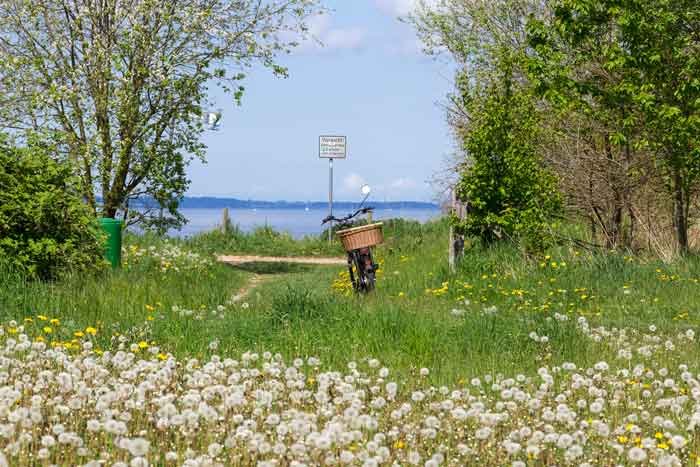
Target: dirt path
x=281, y=259
x=257, y=279
x=252, y=283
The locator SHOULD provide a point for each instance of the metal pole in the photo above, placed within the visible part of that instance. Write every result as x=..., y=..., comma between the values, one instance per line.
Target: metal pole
x=330, y=198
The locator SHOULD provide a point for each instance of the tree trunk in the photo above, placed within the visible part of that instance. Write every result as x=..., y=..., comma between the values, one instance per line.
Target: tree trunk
x=615, y=227
x=680, y=213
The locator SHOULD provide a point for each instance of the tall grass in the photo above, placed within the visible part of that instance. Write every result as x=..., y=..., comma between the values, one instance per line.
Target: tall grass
x=475, y=321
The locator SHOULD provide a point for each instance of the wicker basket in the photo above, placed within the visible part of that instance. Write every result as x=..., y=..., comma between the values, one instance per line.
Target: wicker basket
x=361, y=237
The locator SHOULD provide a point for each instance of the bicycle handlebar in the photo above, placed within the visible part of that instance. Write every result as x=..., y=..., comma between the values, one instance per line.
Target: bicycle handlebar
x=348, y=217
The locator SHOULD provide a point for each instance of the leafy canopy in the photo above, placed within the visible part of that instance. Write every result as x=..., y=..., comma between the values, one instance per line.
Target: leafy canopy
x=120, y=86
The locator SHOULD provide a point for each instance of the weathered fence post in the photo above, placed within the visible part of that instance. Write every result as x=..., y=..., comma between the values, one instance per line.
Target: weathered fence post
x=225, y=222
x=456, y=247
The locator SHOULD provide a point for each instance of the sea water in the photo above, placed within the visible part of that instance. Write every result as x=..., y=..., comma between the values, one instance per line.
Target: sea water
x=297, y=222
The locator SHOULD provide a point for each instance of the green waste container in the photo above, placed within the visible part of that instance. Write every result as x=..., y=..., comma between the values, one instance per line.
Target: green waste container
x=113, y=247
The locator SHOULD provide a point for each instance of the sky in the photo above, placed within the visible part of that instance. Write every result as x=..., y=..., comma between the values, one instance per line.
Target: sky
x=369, y=81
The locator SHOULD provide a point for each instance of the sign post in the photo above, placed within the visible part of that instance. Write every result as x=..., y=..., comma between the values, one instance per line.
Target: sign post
x=331, y=147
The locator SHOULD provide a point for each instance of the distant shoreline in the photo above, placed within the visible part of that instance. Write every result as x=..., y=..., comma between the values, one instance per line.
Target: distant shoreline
x=234, y=203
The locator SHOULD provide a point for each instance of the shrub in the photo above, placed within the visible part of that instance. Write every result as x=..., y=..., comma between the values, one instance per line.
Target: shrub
x=45, y=228
x=510, y=193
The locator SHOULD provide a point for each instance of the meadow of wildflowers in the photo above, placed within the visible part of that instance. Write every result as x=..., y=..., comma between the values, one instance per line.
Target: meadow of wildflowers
x=568, y=359
x=135, y=406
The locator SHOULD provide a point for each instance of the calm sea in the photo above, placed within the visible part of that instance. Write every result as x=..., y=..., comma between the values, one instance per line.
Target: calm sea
x=297, y=222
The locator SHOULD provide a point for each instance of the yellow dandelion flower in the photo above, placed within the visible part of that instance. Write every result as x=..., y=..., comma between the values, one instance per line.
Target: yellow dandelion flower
x=162, y=356
x=48, y=329
x=143, y=344
x=55, y=322
x=12, y=330
x=91, y=330
x=28, y=320
x=399, y=444
x=42, y=317
x=79, y=334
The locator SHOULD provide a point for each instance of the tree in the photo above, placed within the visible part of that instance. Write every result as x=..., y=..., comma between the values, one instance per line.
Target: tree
x=494, y=117
x=648, y=80
x=475, y=34
x=120, y=86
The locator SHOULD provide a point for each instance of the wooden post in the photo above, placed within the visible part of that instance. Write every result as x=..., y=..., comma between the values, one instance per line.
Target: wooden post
x=456, y=247
x=451, y=252
x=225, y=222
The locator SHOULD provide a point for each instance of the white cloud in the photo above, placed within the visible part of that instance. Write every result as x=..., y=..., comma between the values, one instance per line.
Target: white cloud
x=353, y=182
x=401, y=7
x=323, y=37
x=350, y=38
x=403, y=184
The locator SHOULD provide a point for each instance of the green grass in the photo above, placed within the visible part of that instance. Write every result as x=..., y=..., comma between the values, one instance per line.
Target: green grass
x=407, y=323
x=262, y=241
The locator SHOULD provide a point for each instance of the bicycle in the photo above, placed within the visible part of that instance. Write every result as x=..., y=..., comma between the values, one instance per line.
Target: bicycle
x=358, y=243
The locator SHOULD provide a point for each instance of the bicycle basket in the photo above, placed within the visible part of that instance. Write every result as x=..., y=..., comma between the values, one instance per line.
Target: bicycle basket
x=361, y=237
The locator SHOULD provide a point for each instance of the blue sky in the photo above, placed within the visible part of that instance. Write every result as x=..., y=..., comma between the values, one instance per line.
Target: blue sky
x=369, y=82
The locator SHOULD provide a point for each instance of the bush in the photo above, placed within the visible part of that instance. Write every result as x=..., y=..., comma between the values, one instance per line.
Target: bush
x=45, y=228
x=510, y=193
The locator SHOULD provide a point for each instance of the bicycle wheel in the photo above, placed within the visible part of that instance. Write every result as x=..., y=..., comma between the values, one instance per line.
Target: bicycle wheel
x=367, y=268
x=361, y=273
x=370, y=276
x=352, y=264
x=370, y=269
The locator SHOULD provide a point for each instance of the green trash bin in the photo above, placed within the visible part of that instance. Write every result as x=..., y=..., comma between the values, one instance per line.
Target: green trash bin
x=113, y=246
